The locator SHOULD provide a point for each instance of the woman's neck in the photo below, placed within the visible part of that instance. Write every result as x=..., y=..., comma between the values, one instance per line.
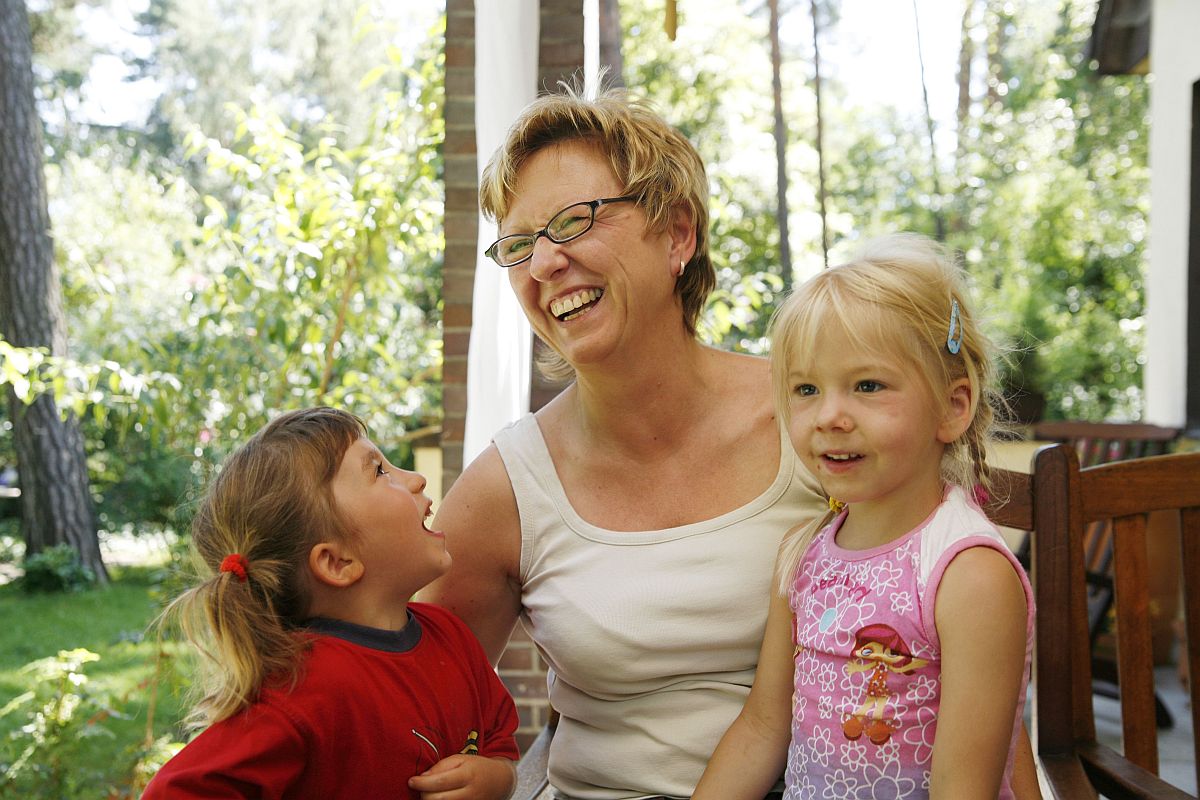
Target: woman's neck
x=651, y=399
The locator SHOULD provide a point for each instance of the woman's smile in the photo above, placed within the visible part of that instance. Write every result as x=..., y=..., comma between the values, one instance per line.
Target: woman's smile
x=575, y=304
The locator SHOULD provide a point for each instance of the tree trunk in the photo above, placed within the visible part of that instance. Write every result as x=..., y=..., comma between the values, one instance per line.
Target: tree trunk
x=966, y=55
x=781, y=179
x=56, y=506
x=939, y=221
x=816, y=25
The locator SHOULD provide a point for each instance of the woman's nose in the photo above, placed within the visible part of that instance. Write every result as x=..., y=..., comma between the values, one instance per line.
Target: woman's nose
x=549, y=259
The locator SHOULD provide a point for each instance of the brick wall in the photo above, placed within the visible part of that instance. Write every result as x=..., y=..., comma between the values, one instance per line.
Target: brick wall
x=560, y=56
x=461, y=227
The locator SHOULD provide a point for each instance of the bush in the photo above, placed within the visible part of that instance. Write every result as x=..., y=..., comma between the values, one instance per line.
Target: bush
x=58, y=712
x=56, y=569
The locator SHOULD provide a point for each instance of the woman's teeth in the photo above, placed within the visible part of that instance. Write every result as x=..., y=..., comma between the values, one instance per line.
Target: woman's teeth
x=568, y=307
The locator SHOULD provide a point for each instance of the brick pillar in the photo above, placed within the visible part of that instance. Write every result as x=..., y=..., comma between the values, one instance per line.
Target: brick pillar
x=560, y=43
x=560, y=57
x=461, y=227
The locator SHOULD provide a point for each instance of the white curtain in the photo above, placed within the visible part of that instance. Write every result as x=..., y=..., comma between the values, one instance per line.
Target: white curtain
x=498, y=363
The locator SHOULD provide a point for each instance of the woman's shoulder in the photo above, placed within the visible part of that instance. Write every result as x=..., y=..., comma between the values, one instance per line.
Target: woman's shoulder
x=744, y=387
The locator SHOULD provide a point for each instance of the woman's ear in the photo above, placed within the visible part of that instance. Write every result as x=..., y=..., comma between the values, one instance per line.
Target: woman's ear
x=958, y=411
x=334, y=564
x=681, y=232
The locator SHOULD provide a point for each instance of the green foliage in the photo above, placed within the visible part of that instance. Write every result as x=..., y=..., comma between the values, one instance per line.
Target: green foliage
x=56, y=569
x=38, y=759
x=306, y=269
x=699, y=82
x=1052, y=213
x=123, y=704
x=330, y=284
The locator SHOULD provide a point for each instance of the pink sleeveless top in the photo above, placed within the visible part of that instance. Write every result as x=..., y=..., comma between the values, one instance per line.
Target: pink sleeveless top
x=868, y=660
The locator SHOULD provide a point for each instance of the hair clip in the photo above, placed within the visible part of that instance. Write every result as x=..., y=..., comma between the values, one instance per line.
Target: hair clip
x=836, y=505
x=237, y=564
x=955, y=336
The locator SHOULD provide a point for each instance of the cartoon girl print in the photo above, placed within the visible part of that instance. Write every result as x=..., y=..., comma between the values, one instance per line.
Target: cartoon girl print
x=879, y=648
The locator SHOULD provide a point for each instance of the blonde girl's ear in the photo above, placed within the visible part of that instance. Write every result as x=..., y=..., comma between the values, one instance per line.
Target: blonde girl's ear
x=334, y=564
x=960, y=409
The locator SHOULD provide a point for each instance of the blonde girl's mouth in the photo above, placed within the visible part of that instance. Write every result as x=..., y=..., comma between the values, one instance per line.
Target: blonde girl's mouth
x=571, y=306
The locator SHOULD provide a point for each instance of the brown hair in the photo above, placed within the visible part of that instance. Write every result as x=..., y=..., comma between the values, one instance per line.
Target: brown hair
x=271, y=502
x=895, y=297
x=652, y=160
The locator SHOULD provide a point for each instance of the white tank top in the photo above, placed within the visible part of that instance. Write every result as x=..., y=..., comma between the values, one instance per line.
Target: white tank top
x=652, y=637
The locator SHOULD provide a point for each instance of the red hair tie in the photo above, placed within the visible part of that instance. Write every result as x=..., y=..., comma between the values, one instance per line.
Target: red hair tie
x=235, y=563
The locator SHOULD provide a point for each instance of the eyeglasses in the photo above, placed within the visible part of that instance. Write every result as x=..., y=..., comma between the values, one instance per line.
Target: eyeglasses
x=570, y=223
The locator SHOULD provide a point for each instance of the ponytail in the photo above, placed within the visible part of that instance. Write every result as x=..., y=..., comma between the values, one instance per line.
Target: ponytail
x=251, y=537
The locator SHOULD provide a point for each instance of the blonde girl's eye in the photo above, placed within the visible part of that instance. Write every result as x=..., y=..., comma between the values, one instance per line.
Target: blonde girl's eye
x=869, y=387
x=805, y=389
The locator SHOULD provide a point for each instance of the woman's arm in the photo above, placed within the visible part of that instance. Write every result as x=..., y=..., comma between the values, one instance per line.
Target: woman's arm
x=753, y=752
x=483, y=535
x=980, y=614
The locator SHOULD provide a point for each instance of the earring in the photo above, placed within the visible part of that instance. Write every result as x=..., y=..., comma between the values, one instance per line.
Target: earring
x=682, y=267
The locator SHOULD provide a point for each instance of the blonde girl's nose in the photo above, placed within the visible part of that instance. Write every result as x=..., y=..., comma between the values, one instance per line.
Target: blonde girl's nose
x=832, y=413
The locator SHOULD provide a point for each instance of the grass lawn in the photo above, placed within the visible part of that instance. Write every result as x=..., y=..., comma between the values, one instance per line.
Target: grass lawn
x=107, y=732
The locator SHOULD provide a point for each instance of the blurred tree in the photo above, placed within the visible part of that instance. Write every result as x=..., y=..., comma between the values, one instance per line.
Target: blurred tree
x=161, y=382
x=55, y=502
x=1052, y=210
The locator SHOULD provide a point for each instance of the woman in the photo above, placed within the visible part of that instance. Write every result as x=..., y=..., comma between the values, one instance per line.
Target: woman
x=633, y=522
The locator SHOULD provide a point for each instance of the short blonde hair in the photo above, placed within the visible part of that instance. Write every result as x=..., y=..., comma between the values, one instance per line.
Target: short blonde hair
x=895, y=297
x=651, y=159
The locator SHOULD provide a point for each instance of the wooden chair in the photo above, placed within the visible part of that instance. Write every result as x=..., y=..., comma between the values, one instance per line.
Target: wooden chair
x=1066, y=499
x=1102, y=443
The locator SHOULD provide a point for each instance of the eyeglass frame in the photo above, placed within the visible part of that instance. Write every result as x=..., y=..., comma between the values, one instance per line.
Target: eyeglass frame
x=593, y=205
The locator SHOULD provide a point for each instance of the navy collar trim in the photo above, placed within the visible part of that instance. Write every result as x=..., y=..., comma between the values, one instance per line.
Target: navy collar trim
x=375, y=638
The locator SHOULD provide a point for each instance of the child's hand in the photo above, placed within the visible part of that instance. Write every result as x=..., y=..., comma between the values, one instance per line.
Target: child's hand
x=467, y=777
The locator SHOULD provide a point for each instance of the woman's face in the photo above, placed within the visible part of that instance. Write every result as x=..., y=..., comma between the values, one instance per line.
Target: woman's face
x=588, y=296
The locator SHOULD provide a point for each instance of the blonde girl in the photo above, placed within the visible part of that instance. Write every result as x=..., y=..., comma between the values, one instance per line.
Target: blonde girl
x=897, y=646
x=323, y=680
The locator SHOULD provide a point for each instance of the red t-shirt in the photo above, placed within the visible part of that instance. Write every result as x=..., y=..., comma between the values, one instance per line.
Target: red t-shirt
x=373, y=708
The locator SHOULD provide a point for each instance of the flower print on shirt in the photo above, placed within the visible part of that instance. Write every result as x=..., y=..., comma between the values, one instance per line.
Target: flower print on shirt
x=922, y=734
x=854, y=755
x=889, y=752
x=828, y=677
x=886, y=782
x=886, y=576
x=806, y=667
x=902, y=603
x=820, y=746
x=839, y=785
x=840, y=606
x=825, y=707
x=923, y=688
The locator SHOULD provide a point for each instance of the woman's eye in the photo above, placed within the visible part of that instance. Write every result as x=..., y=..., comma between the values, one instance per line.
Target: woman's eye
x=380, y=471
